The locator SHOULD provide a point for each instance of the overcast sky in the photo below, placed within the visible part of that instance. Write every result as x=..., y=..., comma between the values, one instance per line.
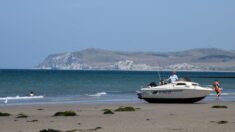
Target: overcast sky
x=32, y=29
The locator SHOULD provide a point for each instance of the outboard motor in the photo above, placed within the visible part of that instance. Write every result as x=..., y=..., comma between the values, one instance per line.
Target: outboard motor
x=139, y=95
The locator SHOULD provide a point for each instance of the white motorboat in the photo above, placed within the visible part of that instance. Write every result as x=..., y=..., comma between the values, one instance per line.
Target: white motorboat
x=178, y=92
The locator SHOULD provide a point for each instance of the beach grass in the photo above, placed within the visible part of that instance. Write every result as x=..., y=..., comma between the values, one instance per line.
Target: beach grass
x=220, y=122
x=108, y=111
x=220, y=106
x=21, y=115
x=74, y=130
x=65, y=113
x=4, y=114
x=50, y=130
x=32, y=121
x=122, y=109
x=97, y=128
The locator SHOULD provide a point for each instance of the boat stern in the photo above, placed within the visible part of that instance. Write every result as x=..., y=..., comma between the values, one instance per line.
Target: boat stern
x=139, y=94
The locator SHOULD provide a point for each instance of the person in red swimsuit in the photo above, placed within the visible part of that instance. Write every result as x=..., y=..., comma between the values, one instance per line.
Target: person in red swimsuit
x=217, y=88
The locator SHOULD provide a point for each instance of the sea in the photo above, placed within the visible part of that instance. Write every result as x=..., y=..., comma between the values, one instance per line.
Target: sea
x=97, y=87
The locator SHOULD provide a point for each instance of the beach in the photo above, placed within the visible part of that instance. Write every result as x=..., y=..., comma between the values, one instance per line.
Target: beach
x=198, y=117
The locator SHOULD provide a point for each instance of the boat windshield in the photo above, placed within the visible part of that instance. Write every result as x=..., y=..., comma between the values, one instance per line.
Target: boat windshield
x=195, y=84
x=181, y=84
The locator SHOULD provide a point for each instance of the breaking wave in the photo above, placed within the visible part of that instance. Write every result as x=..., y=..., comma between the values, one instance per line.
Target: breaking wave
x=97, y=94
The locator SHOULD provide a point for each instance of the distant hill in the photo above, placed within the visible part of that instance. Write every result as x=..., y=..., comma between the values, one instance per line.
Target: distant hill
x=98, y=59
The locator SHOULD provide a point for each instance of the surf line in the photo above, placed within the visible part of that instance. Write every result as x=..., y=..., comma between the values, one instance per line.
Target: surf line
x=20, y=98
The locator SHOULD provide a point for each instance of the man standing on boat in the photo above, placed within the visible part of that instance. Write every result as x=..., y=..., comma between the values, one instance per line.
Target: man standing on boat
x=173, y=78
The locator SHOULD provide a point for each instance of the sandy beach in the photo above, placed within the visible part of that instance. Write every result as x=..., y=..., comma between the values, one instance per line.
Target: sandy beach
x=146, y=118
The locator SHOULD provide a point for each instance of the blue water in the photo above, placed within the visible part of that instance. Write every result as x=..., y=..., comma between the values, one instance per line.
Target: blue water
x=60, y=86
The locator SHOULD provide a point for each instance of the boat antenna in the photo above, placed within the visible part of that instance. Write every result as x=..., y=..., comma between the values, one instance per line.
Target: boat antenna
x=158, y=71
x=159, y=75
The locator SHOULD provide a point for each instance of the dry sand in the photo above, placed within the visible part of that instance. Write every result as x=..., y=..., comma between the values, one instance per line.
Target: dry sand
x=148, y=118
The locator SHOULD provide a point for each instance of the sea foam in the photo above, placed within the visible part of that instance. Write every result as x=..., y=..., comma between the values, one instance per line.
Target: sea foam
x=97, y=94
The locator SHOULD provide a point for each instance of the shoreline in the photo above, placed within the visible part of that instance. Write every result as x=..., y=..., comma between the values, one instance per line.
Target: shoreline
x=130, y=99
x=140, y=102
x=107, y=102
x=147, y=117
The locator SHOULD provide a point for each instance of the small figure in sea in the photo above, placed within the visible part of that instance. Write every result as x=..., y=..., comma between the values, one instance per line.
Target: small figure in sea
x=217, y=88
x=173, y=78
x=31, y=93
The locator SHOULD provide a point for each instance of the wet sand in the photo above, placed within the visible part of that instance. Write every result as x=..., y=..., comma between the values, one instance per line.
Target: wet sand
x=147, y=118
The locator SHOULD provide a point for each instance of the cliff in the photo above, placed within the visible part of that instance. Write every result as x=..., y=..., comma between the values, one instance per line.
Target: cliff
x=98, y=59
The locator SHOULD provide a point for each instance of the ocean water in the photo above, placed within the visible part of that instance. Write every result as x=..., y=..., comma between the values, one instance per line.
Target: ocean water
x=85, y=87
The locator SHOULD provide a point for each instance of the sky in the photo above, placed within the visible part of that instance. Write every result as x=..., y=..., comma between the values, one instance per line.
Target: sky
x=30, y=30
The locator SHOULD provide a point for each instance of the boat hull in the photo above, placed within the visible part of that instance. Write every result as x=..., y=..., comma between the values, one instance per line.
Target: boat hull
x=173, y=100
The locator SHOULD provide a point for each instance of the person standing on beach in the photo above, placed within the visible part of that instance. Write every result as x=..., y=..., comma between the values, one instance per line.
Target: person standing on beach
x=217, y=88
x=173, y=78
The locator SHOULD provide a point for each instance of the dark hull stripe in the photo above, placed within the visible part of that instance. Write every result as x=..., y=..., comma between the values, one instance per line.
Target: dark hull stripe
x=175, y=100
